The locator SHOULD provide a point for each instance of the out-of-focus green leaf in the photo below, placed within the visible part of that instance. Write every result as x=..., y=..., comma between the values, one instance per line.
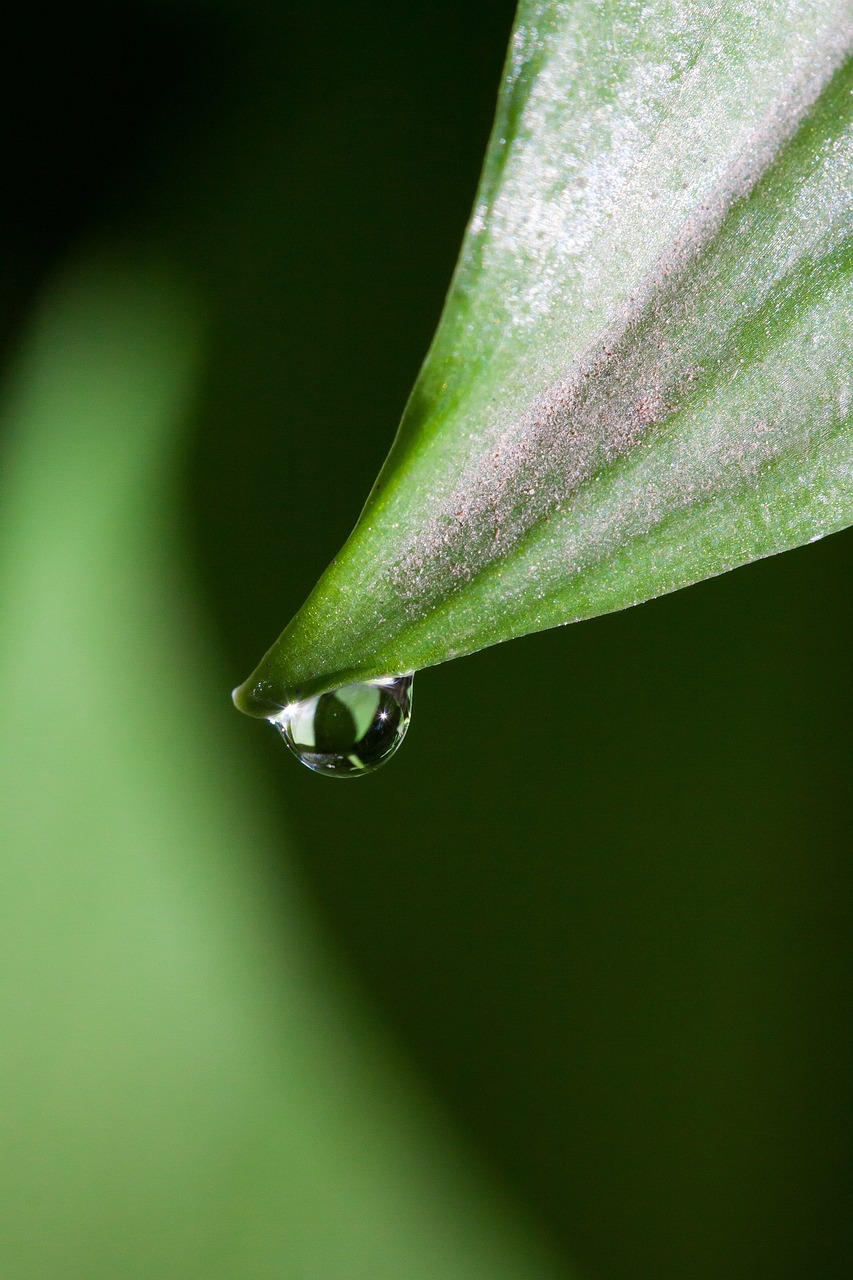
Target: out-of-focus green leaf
x=642, y=376
x=189, y=1089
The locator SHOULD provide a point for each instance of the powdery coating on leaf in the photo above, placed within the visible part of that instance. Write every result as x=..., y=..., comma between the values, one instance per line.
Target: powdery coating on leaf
x=644, y=364
x=673, y=333
x=633, y=117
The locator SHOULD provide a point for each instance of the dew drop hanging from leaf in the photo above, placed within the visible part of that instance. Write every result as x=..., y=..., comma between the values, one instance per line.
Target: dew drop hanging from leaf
x=350, y=731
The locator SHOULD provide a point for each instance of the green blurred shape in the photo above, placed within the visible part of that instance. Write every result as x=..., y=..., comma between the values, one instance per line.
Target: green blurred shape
x=188, y=1088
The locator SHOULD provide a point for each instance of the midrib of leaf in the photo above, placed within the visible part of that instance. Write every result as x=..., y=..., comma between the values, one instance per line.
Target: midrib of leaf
x=518, y=487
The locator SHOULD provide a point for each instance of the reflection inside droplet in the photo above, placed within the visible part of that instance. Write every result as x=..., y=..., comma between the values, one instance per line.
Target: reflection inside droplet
x=349, y=731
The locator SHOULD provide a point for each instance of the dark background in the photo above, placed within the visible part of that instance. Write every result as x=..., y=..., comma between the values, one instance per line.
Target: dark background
x=603, y=895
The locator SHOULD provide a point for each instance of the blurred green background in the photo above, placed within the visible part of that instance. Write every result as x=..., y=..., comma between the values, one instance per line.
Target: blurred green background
x=601, y=902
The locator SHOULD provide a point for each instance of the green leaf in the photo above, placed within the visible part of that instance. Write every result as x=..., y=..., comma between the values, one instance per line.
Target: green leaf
x=642, y=376
x=190, y=1087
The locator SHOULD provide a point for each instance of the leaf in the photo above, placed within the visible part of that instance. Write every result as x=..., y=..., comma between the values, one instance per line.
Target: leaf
x=642, y=375
x=190, y=1088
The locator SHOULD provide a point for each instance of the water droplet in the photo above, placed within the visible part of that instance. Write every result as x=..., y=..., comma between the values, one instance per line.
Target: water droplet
x=349, y=731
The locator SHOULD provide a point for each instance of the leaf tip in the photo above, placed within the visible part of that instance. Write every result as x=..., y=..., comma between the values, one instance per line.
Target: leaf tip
x=254, y=698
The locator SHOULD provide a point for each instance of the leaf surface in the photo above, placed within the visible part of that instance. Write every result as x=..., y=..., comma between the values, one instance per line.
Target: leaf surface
x=642, y=375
